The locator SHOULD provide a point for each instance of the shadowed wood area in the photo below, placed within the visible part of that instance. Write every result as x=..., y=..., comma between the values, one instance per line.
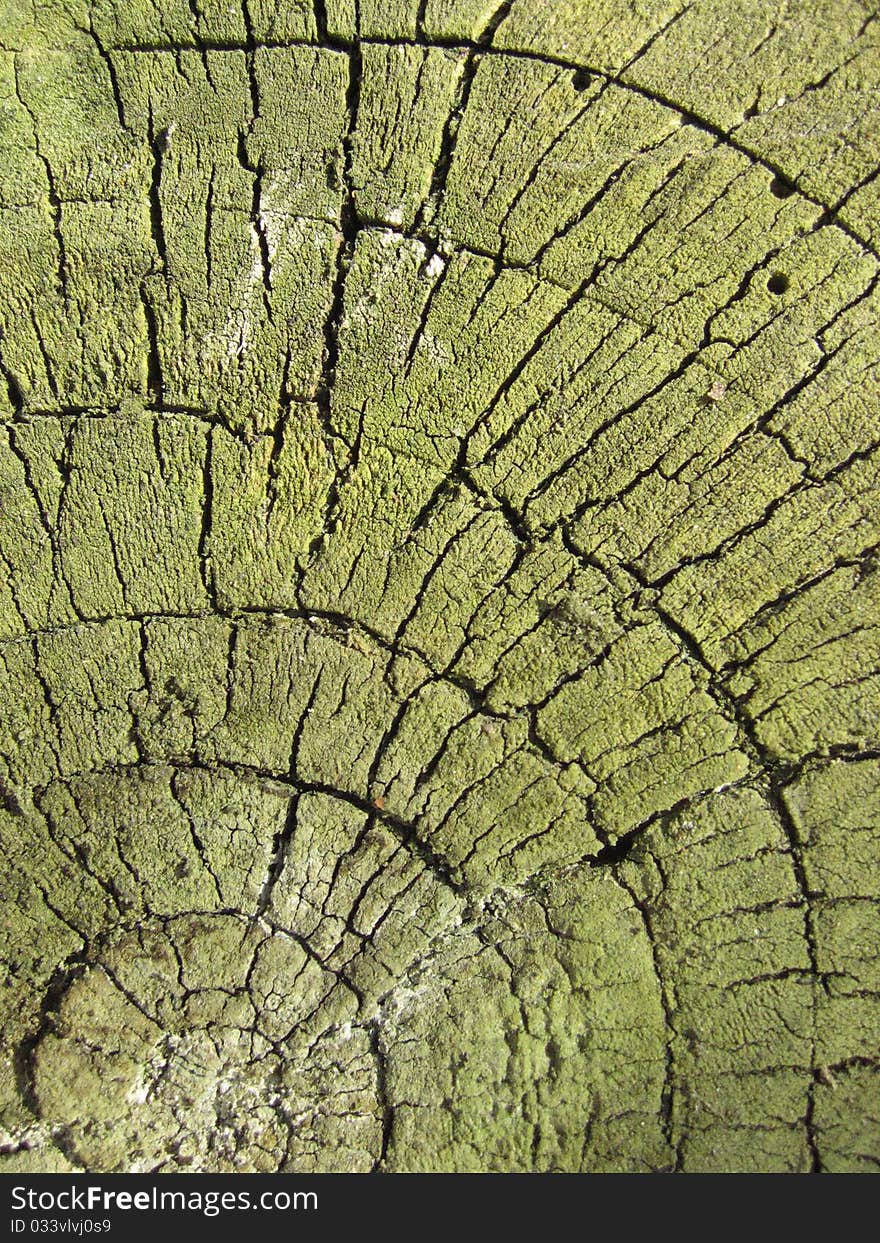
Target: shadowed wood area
x=439, y=607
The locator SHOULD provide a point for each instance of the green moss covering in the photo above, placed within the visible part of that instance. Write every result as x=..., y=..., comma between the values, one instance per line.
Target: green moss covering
x=438, y=585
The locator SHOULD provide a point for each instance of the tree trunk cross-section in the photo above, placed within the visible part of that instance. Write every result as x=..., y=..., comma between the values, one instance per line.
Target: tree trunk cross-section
x=439, y=607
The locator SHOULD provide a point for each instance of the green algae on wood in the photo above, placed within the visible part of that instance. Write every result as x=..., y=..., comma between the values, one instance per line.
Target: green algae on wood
x=438, y=610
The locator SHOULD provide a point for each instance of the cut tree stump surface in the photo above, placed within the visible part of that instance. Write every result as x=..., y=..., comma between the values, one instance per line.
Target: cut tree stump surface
x=439, y=611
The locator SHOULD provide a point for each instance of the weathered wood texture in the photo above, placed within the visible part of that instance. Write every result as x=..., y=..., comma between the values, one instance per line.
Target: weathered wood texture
x=439, y=613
